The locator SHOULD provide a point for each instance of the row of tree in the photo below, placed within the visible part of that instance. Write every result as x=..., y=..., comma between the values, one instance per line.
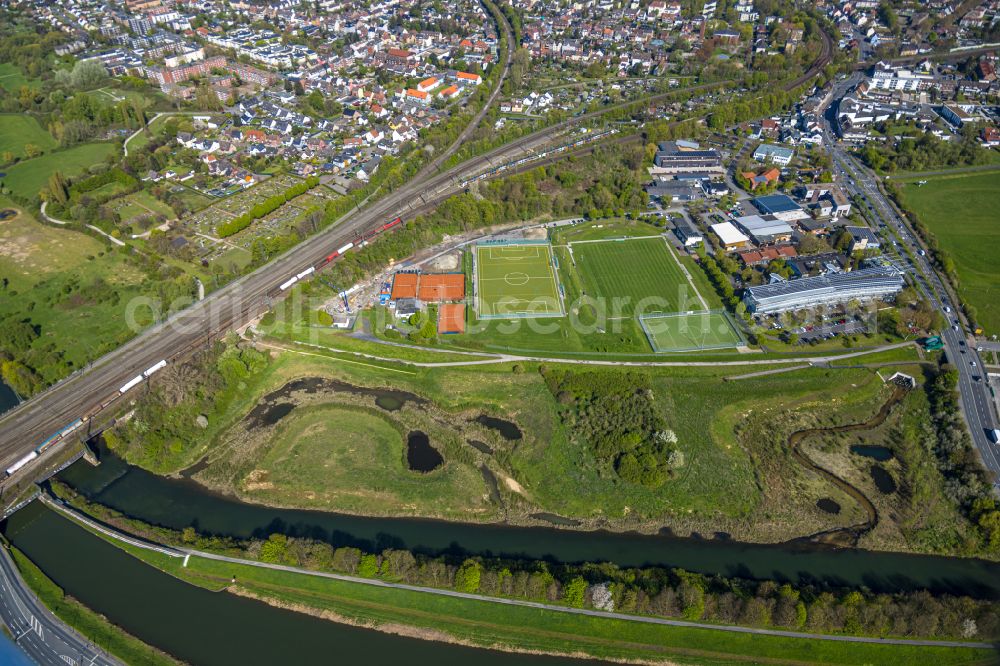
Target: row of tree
x=269, y=205
x=654, y=591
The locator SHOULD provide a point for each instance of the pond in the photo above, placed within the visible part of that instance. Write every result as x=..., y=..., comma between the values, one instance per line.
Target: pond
x=507, y=429
x=883, y=480
x=178, y=503
x=420, y=455
x=482, y=447
x=879, y=453
x=275, y=405
x=276, y=413
x=199, y=626
x=828, y=505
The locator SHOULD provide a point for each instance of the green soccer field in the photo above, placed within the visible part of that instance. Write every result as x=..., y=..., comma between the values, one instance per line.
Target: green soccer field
x=634, y=275
x=516, y=281
x=689, y=331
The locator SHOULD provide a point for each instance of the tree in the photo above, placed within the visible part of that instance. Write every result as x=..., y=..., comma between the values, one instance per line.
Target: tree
x=31, y=150
x=20, y=377
x=467, y=577
x=275, y=549
x=58, y=190
x=368, y=566
x=574, y=591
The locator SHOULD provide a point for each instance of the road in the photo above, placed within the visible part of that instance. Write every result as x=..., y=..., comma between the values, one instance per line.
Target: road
x=188, y=553
x=977, y=404
x=42, y=636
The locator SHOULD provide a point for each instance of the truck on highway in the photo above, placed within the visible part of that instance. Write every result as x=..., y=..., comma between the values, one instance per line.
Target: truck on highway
x=995, y=436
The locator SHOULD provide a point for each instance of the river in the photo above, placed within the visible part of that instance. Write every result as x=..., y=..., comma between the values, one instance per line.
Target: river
x=178, y=503
x=208, y=628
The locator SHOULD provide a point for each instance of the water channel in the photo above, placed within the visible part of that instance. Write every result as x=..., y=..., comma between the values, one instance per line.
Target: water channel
x=179, y=502
x=203, y=627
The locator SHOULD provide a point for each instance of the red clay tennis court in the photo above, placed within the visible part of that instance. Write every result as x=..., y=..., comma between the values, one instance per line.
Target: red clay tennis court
x=437, y=287
x=451, y=318
x=404, y=285
x=429, y=287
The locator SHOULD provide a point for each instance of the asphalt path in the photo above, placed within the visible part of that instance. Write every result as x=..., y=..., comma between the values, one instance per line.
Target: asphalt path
x=39, y=633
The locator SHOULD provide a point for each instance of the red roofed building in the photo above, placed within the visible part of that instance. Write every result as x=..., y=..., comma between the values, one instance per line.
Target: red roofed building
x=466, y=77
x=427, y=84
x=763, y=178
x=418, y=96
x=399, y=56
x=767, y=255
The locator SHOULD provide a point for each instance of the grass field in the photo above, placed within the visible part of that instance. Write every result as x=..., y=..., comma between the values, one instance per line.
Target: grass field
x=701, y=330
x=516, y=281
x=29, y=177
x=352, y=458
x=141, y=203
x=635, y=275
x=42, y=265
x=12, y=78
x=962, y=212
x=16, y=131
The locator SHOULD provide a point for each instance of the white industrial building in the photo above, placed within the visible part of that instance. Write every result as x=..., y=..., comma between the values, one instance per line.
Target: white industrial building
x=731, y=237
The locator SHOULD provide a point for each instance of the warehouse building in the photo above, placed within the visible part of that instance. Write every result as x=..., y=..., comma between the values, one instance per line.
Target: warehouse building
x=833, y=289
x=765, y=230
x=730, y=237
x=780, y=206
x=685, y=157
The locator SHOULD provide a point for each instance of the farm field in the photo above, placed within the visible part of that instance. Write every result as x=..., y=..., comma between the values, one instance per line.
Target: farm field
x=28, y=177
x=516, y=281
x=16, y=131
x=961, y=212
x=624, y=275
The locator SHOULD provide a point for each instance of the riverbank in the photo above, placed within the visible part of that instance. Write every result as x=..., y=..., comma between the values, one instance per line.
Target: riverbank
x=535, y=628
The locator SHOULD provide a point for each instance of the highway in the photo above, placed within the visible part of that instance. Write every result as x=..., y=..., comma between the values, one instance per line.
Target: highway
x=977, y=404
x=42, y=636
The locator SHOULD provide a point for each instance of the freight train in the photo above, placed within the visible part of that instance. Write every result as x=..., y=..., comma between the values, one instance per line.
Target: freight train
x=339, y=252
x=72, y=427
